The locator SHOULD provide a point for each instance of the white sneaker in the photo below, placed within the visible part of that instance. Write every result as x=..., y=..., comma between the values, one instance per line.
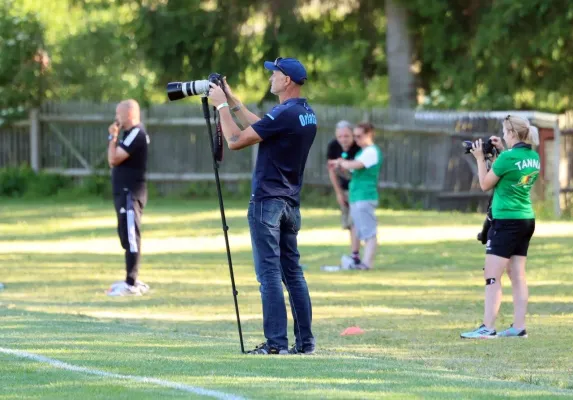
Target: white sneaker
x=123, y=289
x=346, y=262
x=142, y=286
x=330, y=268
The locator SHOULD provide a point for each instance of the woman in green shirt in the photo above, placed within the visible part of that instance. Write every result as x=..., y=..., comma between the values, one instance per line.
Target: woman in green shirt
x=511, y=177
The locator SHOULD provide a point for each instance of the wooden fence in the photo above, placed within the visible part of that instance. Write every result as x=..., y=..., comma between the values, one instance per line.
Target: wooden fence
x=422, y=150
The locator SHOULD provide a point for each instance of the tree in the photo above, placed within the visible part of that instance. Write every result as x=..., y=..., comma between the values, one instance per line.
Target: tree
x=22, y=61
x=485, y=54
x=399, y=56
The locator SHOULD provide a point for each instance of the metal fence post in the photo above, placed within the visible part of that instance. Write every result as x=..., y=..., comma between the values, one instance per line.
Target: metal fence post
x=34, y=139
x=556, y=168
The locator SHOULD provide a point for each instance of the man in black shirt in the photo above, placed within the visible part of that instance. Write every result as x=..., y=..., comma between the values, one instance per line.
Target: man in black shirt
x=343, y=146
x=127, y=157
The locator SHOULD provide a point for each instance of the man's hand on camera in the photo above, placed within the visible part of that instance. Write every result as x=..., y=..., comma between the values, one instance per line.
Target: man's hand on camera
x=477, y=150
x=113, y=130
x=233, y=101
x=216, y=95
x=497, y=142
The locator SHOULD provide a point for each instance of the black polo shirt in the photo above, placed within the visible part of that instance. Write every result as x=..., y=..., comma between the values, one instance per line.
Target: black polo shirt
x=131, y=173
x=288, y=131
x=335, y=151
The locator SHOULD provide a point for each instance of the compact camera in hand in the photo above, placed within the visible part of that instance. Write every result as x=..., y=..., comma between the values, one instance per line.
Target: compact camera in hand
x=487, y=147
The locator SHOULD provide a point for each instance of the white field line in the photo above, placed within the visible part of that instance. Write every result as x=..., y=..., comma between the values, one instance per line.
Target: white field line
x=140, y=379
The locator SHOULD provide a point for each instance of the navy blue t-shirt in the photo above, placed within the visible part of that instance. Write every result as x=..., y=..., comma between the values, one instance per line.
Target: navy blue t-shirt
x=288, y=131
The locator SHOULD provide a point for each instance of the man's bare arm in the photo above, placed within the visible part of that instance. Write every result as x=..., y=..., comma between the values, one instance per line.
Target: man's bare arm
x=236, y=138
x=334, y=180
x=115, y=154
x=245, y=117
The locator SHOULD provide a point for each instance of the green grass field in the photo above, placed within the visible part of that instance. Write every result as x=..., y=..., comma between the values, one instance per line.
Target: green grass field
x=57, y=260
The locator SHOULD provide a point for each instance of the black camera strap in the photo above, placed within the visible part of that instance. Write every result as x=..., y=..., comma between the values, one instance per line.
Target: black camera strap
x=218, y=139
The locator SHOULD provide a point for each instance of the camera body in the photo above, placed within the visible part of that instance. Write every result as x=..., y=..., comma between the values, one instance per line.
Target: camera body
x=482, y=236
x=487, y=146
x=180, y=90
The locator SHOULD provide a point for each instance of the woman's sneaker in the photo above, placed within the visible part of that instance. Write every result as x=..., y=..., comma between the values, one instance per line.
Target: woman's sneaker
x=480, y=333
x=360, y=267
x=265, y=349
x=512, y=332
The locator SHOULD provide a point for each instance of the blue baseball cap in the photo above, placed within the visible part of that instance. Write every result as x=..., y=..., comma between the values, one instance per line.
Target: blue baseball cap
x=290, y=67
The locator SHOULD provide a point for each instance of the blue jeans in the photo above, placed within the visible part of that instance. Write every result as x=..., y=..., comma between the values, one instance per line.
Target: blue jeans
x=274, y=225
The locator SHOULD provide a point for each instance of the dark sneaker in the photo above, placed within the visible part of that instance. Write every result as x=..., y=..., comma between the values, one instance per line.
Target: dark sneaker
x=305, y=350
x=265, y=349
x=361, y=267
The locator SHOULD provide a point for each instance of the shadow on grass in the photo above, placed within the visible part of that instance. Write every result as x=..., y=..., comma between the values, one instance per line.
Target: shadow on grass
x=415, y=277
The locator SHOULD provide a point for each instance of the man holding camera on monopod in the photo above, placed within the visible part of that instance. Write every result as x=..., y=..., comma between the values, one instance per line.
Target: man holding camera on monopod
x=127, y=156
x=285, y=134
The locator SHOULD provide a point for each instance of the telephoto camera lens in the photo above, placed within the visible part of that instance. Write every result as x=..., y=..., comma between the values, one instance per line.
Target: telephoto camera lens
x=180, y=90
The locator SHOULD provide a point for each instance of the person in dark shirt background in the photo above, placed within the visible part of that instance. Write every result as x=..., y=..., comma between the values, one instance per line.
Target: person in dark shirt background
x=127, y=157
x=285, y=135
x=343, y=146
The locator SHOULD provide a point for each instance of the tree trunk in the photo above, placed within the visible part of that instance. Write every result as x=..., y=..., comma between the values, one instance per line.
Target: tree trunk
x=399, y=56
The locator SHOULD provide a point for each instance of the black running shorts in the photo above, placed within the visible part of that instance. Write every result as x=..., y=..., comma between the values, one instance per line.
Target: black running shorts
x=509, y=237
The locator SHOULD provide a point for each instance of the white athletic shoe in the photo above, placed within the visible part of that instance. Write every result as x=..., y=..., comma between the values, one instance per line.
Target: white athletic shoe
x=123, y=289
x=480, y=333
x=347, y=262
x=330, y=268
x=142, y=286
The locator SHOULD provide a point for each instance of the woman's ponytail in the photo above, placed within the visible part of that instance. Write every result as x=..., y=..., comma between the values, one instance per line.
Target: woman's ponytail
x=533, y=135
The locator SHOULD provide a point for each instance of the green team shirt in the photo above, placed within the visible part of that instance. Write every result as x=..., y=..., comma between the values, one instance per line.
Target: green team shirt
x=518, y=169
x=364, y=183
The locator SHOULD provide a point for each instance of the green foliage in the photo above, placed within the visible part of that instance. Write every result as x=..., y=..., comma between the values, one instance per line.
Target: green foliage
x=399, y=199
x=494, y=54
x=481, y=54
x=24, y=182
x=93, y=185
x=108, y=69
x=21, y=61
x=208, y=190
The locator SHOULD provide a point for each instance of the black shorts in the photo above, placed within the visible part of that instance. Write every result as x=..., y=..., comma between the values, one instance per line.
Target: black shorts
x=509, y=237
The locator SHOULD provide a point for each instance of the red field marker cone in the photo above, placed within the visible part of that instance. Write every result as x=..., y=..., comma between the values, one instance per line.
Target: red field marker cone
x=353, y=330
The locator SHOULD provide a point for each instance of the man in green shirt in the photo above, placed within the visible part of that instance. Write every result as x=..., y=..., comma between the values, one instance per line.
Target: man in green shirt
x=363, y=190
x=512, y=175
